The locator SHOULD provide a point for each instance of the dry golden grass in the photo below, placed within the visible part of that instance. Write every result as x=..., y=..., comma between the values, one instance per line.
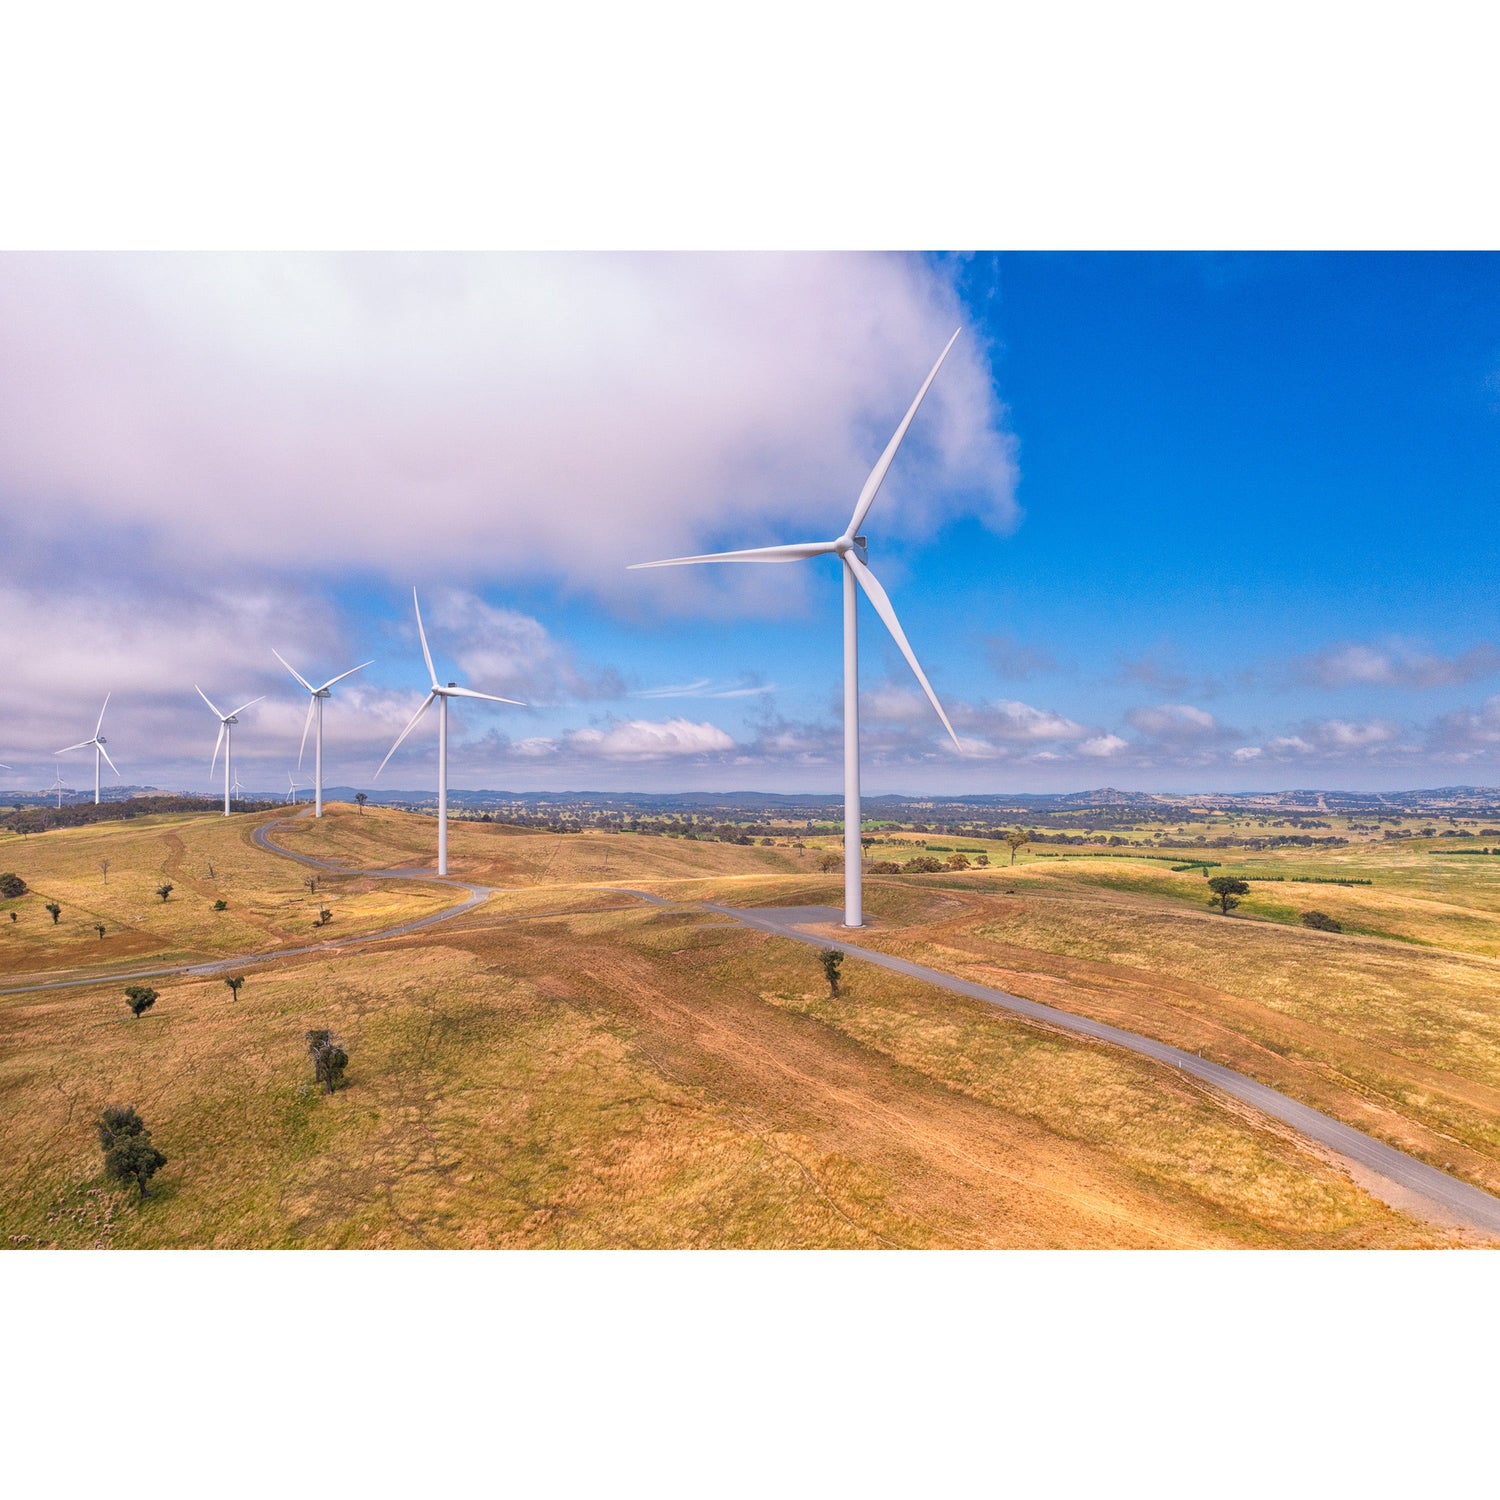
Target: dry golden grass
x=269, y=907
x=563, y=1067
x=632, y=1078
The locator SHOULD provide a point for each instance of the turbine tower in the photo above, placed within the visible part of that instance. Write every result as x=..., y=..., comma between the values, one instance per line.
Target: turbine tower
x=237, y=788
x=850, y=549
x=315, y=709
x=442, y=695
x=225, y=720
x=292, y=787
x=57, y=786
x=98, y=743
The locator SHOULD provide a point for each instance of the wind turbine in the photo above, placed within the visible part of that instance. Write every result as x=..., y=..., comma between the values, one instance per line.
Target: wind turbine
x=225, y=720
x=441, y=694
x=292, y=787
x=850, y=548
x=237, y=788
x=318, y=694
x=57, y=786
x=98, y=743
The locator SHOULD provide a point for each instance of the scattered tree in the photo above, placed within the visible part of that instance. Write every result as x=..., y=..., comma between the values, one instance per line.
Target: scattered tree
x=983, y=861
x=1227, y=889
x=221, y=904
x=830, y=862
x=958, y=861
x=234, y=982
x=129, y=1155
x=99, y=928
x=324, y=917
x=922, y=864
x=140, y=998
x=328, y=1059
x=13, y=916
x=104, y=870
x=832, y=961
x=361, y=798
x=885, y=867
x=55, y=910
x=11, y=885
x=311, y=883
x=1322, y=921
x=164, y=891
x=1018, y=839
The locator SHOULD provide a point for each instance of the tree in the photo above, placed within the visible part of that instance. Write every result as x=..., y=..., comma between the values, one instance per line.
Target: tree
x=328, y=1058
x=104, y=870
x=1321, y=921
x=140, y=998
x=164, y=891
x=221, y=904
x=324, y=917
x=1018, y=839
x=234, y=982
x=1226, y=891
x=922, y=864
x=11, y=885
x=830, y=862
x=361, y=798
x=311, y=882
x=885, y=867
x=832, y=961
x=99, y=928
x=55, y=910
x=958, y=861
x=982, y=861
x=129, y=1155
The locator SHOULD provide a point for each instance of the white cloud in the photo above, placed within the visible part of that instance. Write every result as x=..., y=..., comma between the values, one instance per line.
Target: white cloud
x=648, y=739
x=1103, y=745
x=1397, y=663
x=1248, y=752
x=1169, y=721
x=487, y=415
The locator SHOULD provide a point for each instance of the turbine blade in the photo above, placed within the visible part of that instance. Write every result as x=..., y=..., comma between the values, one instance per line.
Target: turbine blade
x=100, y=724
x=204, y=696
x=290, y=668
x=458, y=692
x=244, y=706
x=113, y=767
x=343, y=675
x=792, y=552
x=312, y=703
x=877, y=474
x=81, y=745
x=427, y=703
x=431, y=670
x=881, y=600
x=217, y=744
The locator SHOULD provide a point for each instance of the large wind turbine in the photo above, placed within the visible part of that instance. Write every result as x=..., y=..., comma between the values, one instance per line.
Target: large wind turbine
x=315, y=708
x=441, y=694
x=98, y=743
x=850, y=548
x=225, y=720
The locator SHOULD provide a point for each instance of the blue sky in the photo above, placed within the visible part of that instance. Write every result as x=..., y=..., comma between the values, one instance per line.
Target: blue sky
x=1166, y=520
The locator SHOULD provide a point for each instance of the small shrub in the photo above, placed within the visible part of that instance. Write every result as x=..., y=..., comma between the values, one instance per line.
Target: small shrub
x=1321, y=921
x=885, y=867
x=958, y=861
x=140, y=998
x=99, y=928
x=221, y=905
x=55, y=910
x=328, y=1059
x=922, y=864
x=832, y=961
x=11, y=885
x=324, y=915
x=234, y=982
x=164, y=891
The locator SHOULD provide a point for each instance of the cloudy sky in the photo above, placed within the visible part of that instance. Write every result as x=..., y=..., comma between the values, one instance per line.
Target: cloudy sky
x=1164, y=521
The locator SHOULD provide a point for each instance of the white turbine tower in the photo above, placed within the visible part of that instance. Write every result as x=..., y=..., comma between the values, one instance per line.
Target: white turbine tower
x=850, y=548
x=224, y=739
x=57, y=786
x=441, y=694
x=237, y=788
x=315, y=708
x=291, y=782
x=98, y=743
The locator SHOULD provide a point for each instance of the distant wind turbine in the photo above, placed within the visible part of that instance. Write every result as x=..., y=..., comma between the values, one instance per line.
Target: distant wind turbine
x=57, y=786
x=850, y=548
x=98, y=743
x=237, y=788
x=225, y=735
x=292, y=786
x=315, y=708
x=441, y=695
